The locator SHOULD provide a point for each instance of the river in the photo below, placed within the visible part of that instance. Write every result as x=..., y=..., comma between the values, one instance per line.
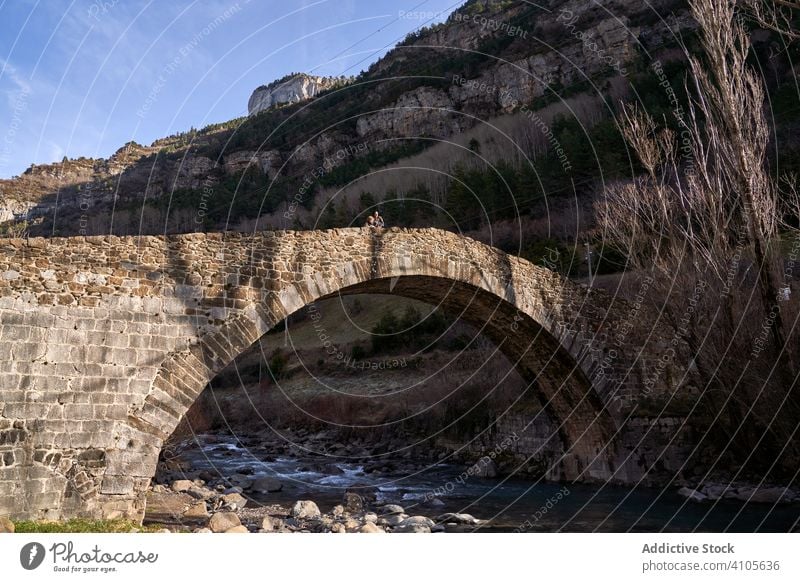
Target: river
x=507, y=503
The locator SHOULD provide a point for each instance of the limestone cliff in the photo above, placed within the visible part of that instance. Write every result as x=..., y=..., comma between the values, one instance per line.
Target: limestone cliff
x=292, y=89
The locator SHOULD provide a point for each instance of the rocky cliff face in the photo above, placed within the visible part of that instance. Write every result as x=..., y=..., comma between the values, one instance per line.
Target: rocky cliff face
x=488, y=60
x=294, y=89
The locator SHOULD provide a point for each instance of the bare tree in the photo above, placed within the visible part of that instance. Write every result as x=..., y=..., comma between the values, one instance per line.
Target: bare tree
x=728, y=199
x=714, y=217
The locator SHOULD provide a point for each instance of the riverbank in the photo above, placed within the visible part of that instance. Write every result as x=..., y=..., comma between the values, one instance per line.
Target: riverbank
x=259, y=484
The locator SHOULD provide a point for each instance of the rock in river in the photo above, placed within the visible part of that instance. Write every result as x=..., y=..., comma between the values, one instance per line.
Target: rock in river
x=459, y=518
x=353, y=502
x=266, y=485
x=691, y=494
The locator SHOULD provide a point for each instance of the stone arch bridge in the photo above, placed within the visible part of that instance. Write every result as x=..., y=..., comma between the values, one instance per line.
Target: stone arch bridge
x=105, y=342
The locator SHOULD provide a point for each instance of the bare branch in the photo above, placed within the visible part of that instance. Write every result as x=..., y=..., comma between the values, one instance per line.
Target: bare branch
x=775, y=15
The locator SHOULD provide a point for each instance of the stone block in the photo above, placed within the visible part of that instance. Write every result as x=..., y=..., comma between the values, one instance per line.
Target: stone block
x=117, y=485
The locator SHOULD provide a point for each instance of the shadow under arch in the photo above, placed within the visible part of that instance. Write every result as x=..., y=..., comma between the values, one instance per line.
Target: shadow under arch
x=585, y=426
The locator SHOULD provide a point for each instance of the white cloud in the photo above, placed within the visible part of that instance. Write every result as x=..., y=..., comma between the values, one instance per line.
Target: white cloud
x=19, y=87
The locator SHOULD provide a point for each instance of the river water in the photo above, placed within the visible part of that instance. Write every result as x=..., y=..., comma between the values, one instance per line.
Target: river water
x=508, y=504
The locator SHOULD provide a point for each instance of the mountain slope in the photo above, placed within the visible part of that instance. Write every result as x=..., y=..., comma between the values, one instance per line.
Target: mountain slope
x=438, y=102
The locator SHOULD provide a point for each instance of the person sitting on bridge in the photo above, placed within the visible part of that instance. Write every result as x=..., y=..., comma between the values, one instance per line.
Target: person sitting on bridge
x=378, y=220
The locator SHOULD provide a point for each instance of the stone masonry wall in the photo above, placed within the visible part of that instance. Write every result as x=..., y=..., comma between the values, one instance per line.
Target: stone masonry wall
x=105, y=342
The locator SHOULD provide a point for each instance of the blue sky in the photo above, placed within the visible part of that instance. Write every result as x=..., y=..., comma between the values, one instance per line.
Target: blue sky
x=83, y=77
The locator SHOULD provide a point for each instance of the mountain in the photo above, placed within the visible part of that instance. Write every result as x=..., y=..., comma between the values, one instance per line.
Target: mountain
x=503, y=113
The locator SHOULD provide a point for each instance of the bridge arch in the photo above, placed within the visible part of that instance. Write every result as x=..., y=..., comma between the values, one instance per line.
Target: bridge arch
x=208, y=298
x=521, y=307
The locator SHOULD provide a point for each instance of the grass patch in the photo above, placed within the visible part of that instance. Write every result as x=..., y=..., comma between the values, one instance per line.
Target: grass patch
x=83, y=526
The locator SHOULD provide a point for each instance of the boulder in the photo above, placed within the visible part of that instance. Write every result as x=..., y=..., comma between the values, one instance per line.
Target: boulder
x=418, y=520
x=370, y=527
x=6, y=525
x=196, y=511
x=338, y=528
x=182, y=485
x=337, y=511
x=203, y=530
x=237, y=529
x=305, y=509
x=223, y=521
